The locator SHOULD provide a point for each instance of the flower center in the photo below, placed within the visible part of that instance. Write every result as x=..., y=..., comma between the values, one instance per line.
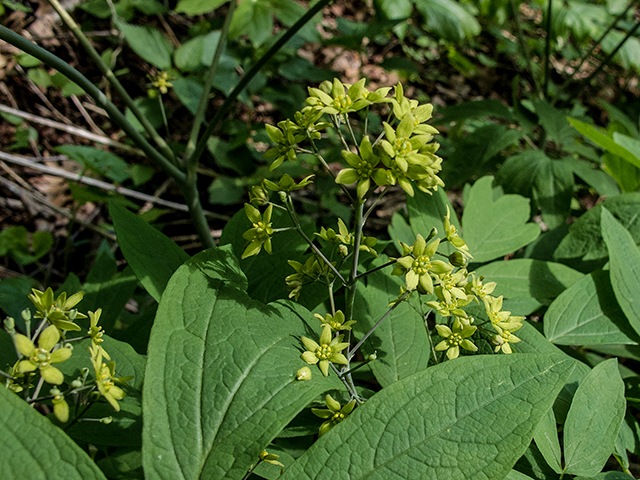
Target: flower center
x=342, y=101
x=421, y=265
x=364, y=169
x=338, y=417
x=323, y=352
x=455, y=339
x=41, y=357
x=403, y=146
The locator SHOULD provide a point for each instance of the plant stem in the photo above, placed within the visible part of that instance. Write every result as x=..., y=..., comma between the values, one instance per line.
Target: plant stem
x=586, y=80
x=102, y=101
x=36, y=392
x=375, y=202
x=217, y=118
x=189, y=189
x=113, y=80
x=206, y=88
x=596, y=43
x=380, y=267
x=525, y=49
x=350, y=292
x=547, y=51
x=368, y=334
x=288, y=203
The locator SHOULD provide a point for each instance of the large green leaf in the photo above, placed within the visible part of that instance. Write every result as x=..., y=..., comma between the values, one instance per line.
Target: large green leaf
x=448, y=19
x=525, y=277
x=587, y=314
x=604, y=141
x=468, y=418
x=585, y=238
x=147, y=42
x=594, y=420
x=197, y=7
x=253, y=18
x=624, y=263
x=553, y=190
x=152, y=256
x=496, y=228
x=99, y=161
x=401, y=340
x=554, y=122
x=266, y=273
x=32, y=447
x=428, y=211
x=220, y=379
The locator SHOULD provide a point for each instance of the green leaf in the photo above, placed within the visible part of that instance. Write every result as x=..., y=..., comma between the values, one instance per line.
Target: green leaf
x=124, y=463
x=189, y=92
x=197, y=7
x=32, y=447
x=401, y=340
x=546, y=438
x=516, y=475
x=197, y=52
x=266, y=273
x=594, y=176
x=141, y=174
x=494, y=229
x=624, y=173
x=594, y=420
x=99, y=161
x=604, y=141
x=607, y=476
x=525, y=277
x=628, y=143
x=448, y=19
x=588, y=314
x=553, y=191
x=152, y=256
x=220, y=379
x=393, y=9
x=149, y=43
x=150, y=108
x=584, y=239
x=428, y=211
x=624, y=263
x=468, y=418
x=254, y=19
x=554, y=122
x=226, y=191
x=475, y=109
x=40, y=77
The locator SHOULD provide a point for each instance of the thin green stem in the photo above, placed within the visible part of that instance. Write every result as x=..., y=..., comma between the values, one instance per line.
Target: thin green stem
x=113, y=80
x=352, y=352
x=102, y=101
x=525, y=49
x=163, y=113
x=547, y=51
x=375, y=202
x=289, y=204
x=206, y=88
x=380, y=267
x=319, y=156
x=596, y=44
x=36, y=392
x=78, y=417
x=222, y=111
x=189, y=189
x=576, y=90
x=353, y=135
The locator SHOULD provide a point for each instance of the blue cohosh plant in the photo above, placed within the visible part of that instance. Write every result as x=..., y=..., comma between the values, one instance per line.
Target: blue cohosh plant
x=403, y=153
x=40, y=353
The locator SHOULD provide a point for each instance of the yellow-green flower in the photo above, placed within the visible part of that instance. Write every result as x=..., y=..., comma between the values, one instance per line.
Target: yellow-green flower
x=504, y=339
x=161, y=82
x=479, y=288
x=59, y=312
x=43, y=357
x=362, y=169
x=418, y=268
x=96, y=332
x=334, y=413
x=454, y=338
x=105, y=380
x=336, y=322
x=499, y=317
x=270, y=458
x=452, y=236
x=286, y=135
x=303, y=374
x=60, y=405
x=335, y=99
x=261, y=232
x=328, y=350
x=287, y=184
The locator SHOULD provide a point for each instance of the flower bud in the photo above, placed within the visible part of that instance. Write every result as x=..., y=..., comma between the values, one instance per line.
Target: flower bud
x=73, y=314
x=26, y=315
x=432, y=233
x=106, y=420
x=303, y=374
x=10, y=324
x=77, y=383
x=258, y=196
x=372, y=357
x=343, y=250
x=457, y=259
x=283, y=196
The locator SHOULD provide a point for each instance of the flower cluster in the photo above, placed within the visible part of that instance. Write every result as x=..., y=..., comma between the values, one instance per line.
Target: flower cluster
x=48, y=347
x=333, y=414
